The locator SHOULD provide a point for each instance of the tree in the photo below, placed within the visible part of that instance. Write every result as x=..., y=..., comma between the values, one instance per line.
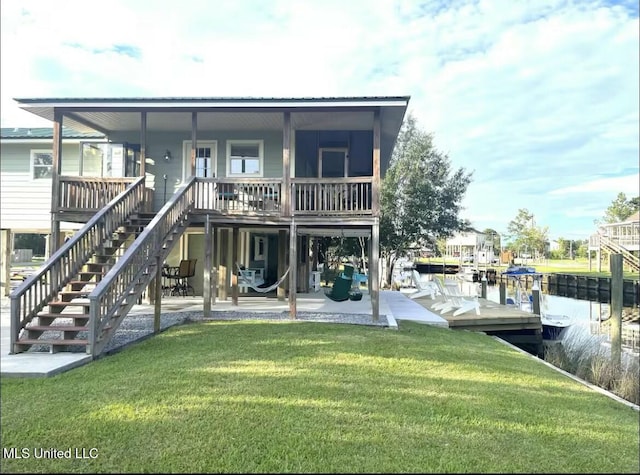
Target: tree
x=420, y=196
x=525, y=236
x=620, y=209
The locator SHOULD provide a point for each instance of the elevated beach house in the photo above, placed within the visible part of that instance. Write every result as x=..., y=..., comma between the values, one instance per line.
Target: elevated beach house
x=618, y=238
x=229, y=183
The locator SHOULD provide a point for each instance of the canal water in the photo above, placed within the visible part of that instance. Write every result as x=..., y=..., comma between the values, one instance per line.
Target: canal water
x=588, y=318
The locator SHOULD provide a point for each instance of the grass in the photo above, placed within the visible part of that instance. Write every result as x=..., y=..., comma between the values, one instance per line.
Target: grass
x=301, y=397
x=584, y=355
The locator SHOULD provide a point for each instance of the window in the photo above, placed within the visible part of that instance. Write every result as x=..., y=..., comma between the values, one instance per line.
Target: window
x=41, y=164
x=258, y=249
x=204, y=163
x=244, y=157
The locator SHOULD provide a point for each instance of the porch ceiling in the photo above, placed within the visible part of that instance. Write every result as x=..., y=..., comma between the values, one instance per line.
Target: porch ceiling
x=109, y=116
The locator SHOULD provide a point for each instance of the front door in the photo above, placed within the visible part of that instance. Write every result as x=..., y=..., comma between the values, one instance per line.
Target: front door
x=333, y=162
x=206, y=159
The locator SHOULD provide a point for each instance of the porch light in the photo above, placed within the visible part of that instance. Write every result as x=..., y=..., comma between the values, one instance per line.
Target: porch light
x=167, y=155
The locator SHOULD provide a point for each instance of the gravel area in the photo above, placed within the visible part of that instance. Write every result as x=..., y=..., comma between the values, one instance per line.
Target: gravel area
x=137, y=327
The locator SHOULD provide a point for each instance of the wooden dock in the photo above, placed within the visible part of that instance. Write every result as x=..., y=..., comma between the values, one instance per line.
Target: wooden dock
x=516, y=326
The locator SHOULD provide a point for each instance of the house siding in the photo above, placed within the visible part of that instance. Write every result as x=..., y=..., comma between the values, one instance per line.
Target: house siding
x=158, y=143
x=25, y=202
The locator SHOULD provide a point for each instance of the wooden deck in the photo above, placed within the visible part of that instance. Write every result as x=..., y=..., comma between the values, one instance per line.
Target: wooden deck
x=516, y=326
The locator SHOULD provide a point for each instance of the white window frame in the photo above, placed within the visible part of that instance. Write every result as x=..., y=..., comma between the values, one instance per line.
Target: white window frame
x=259, y=244
x=32, y=167
x=260, y=144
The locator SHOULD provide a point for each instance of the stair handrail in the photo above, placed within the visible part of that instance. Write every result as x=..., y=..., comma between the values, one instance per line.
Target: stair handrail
x=139, y=259
x=30, y=297
x=627, y=256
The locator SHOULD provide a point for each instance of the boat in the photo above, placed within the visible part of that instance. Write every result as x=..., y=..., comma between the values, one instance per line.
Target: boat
x=552, y=324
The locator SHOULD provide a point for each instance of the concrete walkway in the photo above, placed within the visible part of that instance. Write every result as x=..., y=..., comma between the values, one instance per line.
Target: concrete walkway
x=394, y=306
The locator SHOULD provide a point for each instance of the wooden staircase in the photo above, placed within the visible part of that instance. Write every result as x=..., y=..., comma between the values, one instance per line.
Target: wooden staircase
x=630, y=260
x=64, y=323
x=81, y=295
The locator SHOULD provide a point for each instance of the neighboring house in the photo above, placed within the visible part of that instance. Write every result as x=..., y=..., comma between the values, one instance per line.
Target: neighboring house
x=618, y=238
x=26, y=158
x=26, y=166
x=228, y=181
x=552, y=246
x=470, y=247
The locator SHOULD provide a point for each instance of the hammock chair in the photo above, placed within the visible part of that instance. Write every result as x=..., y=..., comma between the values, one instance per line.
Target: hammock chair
x=246, y=280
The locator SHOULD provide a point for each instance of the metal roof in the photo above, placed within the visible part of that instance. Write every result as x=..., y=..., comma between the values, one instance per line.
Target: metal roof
x=44, y=133
x=223, y=100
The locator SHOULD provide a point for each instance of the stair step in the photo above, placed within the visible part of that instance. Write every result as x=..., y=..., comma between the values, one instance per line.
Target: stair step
x=59, y=304
x=58, y=328
x=84, y=316
x=31, y=341
x=75, y=293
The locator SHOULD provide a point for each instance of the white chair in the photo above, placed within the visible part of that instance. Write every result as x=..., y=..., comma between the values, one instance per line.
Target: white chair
x=249, y=278
x=458, y=302
x=424, y=288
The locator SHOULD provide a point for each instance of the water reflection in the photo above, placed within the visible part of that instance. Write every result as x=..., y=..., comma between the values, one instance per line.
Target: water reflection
x=592, y=317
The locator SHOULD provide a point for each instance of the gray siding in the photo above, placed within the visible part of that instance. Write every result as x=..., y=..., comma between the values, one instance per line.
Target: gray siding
x=26, y=203
x=158, y=143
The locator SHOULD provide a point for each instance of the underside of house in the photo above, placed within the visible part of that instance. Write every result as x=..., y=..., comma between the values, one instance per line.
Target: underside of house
x=232, y=183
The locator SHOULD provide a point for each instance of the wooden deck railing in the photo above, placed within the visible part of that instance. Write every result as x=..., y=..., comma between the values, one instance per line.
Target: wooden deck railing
x=43, y=285
x=89, y=193
x=321, y=196
x=261, y=196
x=245, y=196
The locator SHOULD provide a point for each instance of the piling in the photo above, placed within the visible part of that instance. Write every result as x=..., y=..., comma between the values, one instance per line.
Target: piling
x=615, y=265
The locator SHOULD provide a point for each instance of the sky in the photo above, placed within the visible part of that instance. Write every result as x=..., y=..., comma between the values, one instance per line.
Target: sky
x=538, y=99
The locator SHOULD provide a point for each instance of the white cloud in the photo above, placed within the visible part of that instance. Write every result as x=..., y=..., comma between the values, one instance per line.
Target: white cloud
x=540, y=98
x=619, y=184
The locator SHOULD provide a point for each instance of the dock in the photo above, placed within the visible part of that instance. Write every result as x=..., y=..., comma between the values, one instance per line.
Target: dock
x=518, y=327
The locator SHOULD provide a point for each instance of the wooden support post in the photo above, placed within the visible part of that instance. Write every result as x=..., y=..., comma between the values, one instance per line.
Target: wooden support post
x=194, y=141
x=293, y=268
x=157, y=308
x=143, y=144
x=617, y=282
x=286, y=165
x=503, y=293
x=535, y=294
x=56, y=168
x=375, y=185
x=7, y=244
x=374, y=271
x=483, y=287
x=206, y=285
x=282, y=263
x=234, y=267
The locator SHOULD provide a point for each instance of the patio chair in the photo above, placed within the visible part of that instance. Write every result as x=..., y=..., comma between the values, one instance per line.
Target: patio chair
x=340, y=290
x=185, y=270
x=249, y=278
x=457, y=302
x=424, y=288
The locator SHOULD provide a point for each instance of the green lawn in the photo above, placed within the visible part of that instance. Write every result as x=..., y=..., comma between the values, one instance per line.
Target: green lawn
x=301, y=397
